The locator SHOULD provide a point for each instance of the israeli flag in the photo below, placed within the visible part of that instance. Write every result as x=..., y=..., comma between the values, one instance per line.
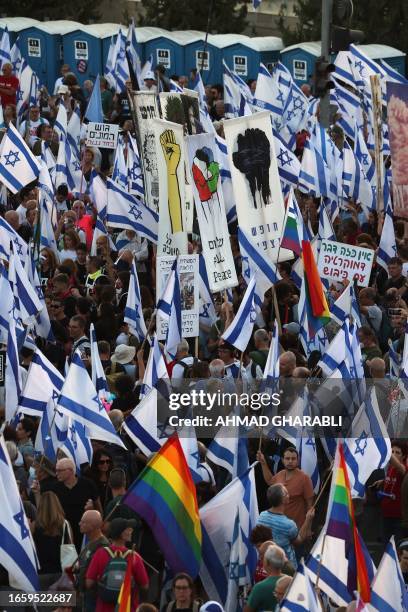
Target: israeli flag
x=141, y=425
x=388, y=590
x=126, y=212
x=218, y=534
x=134, y=170
x=271, y=371
x=77, y=445
x=156, y=375
x=18, y=166
x=7, y=307
x=205, y=118
x=345, y=306
x=79, y=400
x=288, y=163
x=131, y=48
x=133, y=311
x=98, y=375
x=268, y=96
x=61, y=122
x=238, y=571
x=301, y=595
x=253, y=262
x=17, y=550
x=368, y=446
x=42, y=324
x=355, y=183
x=388, y=246
x=74, y=131
x=240, y=330
x=25, y=76
x=109, y=66
x=9, y=236
x=12, y=381
x=47, y=236
x=26, y=298
x=207, y=314
x=315, y=176
x=364, y=157
x=5, y=56
x=229, y=449
x=174, y=332
x=348, y=104
x=120, y=168
x=392, y=75
x=16, y=57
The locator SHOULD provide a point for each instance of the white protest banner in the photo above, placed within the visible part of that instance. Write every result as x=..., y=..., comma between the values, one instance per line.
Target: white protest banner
x=169, y=143
x=255, y=180
x=204, y=166
x=102, y=135
x=338, y=261
x=146, y=110
x=187, y=268
x=397, y=119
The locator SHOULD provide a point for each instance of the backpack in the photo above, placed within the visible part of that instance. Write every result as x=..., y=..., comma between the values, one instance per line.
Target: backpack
x=188, y=369
x=113, y=576
x=197, y=603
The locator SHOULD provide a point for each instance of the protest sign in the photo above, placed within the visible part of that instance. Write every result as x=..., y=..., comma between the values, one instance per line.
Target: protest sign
x=146, y=110
x=102, y=135
x=338, y=261
x=397, y=111
x=187, y=267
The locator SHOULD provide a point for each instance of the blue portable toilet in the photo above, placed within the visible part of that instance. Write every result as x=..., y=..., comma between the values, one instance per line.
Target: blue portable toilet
x=208, y=61
x=244, y=54
x=393, y=57
x=15, y=25
x=105, y=32
x=144, y=35
x=167, y=51
x=41, y=45
x=300, y=60
x=82, y=50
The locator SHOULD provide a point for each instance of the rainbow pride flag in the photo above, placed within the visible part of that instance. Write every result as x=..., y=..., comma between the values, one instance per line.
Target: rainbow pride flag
x=318, y=313
x=164, y=496
x=341, y=524
x=293, y=230
x=125, y=594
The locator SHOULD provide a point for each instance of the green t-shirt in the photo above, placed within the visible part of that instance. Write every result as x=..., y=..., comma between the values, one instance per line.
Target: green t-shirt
x=262, y=595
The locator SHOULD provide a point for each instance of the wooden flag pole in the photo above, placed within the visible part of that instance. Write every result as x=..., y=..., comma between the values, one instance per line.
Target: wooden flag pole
x=378, y=138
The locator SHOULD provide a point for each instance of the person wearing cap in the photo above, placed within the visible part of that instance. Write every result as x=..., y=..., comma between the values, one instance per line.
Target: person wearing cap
x=120, y=534
x=212, y=606
x=150, y=83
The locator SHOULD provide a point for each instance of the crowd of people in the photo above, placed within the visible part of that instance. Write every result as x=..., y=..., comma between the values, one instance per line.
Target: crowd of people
x=82, y=533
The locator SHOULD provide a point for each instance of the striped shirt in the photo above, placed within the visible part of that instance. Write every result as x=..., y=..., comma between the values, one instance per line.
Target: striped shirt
x=284, y=531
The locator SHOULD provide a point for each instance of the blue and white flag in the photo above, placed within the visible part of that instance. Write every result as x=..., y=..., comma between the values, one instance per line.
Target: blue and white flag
x=147, y=68
x=18, y=166
x=98, y=193
x=240, y=330
x=205, y=118
x=288, y=163
x=26, y=298
x=175, y=87
x=120, y=167
x=79, y=400
x=229, y=449
x=301, y=595
x=42, y=387
x=388, y=590
x=174, y=333
x=47, y=235
x=388, y=246
x=42, y=324
x=126, y=212
x=207, y=314
x=271, y=371
x=349, y=105
x=77, y=445
x=61, y=122
x=156, y=374
x=218, y=534
x=7, y=307
x=74, y=131
x=9, y=235
x=367, y=446
x=132, y=54
x=364, y=157
x=25, y=77
x=346, y=305
x=17, y=550
x=134, y=170
x=110, y=64
x=12, y=379
x=120, y=65
x=238, y=571
x=5, y=55
x=392, y=75
x=355, y=183
x=133, y=315
x=141, y=425
x=253, y=262
x=98, y=375
x=268, y=96
x=315, y=177
x=16, y=57
x=94, y=110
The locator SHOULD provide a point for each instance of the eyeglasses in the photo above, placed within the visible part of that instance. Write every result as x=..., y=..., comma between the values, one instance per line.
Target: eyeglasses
x=102, y=461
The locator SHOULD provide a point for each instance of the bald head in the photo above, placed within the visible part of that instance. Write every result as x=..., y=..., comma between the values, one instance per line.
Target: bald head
x=91, y=521
x=287, y=363
x=13, y=219
x=216, y=368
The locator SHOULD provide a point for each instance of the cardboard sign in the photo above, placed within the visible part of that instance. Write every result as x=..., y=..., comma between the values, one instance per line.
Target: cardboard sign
x=102, y=135
x=299, y=70
x=34, y=47
x=240, y=65
x=338, y=261
x=187, y=268
x=81, y=49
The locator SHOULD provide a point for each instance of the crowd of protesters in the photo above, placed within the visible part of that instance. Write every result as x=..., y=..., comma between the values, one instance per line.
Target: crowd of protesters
x=84, y=510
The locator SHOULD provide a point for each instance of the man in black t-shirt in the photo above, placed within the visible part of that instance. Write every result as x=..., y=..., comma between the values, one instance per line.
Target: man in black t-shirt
x=75, y=495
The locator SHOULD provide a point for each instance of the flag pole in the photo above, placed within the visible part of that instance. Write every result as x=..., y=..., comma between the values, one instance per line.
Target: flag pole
x=210, y=11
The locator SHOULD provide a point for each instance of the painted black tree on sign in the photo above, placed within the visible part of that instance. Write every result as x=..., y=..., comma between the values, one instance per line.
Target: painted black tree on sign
x=253, y=159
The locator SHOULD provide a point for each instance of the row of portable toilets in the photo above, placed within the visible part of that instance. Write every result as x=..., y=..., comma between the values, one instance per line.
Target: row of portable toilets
x=46, y=45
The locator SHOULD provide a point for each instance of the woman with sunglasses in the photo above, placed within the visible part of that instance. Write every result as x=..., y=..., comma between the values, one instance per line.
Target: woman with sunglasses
x=102, y=464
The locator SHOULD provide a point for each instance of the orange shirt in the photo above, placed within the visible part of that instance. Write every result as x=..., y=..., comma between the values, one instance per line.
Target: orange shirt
x=300, y=488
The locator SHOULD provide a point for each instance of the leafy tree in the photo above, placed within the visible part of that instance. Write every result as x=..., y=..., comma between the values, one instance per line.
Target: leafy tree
x=227, y=15
x=76, y=10
x=383, y=22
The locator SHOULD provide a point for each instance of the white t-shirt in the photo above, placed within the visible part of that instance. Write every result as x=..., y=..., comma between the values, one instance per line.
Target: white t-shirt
x=32, y=129
x=178, y=370
x=67, y=254
x=21, y=210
